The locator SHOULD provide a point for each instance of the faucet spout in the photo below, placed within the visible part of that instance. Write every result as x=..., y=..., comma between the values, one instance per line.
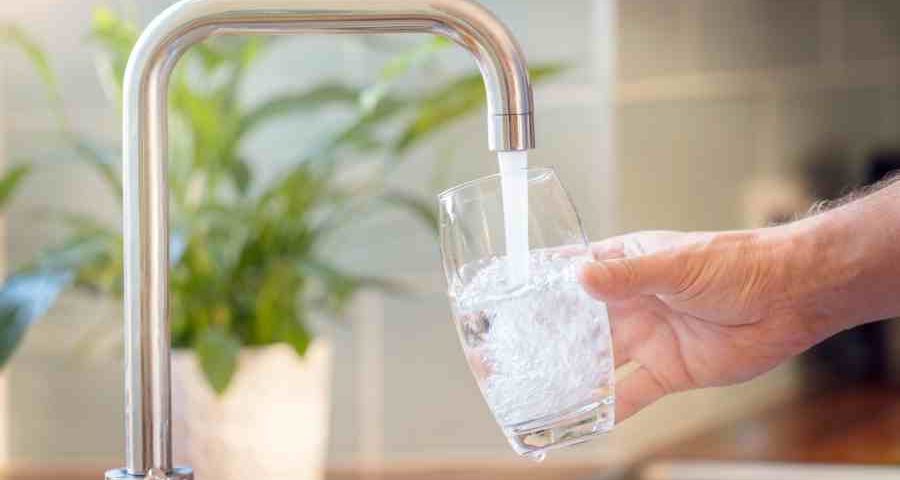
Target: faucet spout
x=145, y=157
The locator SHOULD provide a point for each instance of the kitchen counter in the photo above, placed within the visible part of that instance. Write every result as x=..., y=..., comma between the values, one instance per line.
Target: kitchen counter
x=853, y=433
x=416, y=471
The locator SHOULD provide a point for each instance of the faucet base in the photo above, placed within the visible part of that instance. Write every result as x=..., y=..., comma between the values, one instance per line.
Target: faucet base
x=179, y=473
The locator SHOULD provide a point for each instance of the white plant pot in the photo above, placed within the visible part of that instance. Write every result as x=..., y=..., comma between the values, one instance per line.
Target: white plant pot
x=271, y=423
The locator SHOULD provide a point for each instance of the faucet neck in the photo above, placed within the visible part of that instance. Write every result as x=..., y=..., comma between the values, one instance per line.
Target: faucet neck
x=145, y=148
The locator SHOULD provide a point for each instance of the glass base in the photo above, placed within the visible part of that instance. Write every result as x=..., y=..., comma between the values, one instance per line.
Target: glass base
x=534, y=438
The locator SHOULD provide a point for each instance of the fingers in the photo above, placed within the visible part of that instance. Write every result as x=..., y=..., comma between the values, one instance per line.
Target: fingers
x=639, y=263
x=634, y=323
x=624, y=333
x=635, y=392
x=639, y=243
x=572, y=250
x=613, y=247
x=623, y=278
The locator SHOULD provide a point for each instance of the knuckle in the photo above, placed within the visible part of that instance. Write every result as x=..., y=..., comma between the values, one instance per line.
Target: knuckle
x=628, y=273
x=689, y=282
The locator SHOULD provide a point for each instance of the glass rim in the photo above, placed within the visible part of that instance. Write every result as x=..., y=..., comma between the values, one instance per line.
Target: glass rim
x=492, y=178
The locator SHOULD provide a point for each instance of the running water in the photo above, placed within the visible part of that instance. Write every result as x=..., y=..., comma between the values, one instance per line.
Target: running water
x=514, y=183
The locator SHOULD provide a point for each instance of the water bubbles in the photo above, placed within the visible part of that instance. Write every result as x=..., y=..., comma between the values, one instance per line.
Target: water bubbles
x=537, y=350
x=474, y=328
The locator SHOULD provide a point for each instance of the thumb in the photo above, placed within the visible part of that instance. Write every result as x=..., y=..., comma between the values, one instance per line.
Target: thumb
x=624, y=278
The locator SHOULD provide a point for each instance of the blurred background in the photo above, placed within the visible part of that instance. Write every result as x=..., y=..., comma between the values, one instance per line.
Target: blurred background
x=688, y=115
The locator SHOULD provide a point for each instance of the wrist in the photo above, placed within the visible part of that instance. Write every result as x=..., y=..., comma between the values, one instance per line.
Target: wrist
x=824, y=270
x=804, y=273
x=849, y=260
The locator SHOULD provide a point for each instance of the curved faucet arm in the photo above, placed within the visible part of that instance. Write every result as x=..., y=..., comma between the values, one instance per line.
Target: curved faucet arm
x=145, y=149
x=495, y=50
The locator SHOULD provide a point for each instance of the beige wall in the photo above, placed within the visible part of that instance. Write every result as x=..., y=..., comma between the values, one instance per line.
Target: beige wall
x=715, y=92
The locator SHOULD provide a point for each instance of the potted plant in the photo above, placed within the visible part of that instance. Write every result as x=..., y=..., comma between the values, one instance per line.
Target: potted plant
x=248, y=274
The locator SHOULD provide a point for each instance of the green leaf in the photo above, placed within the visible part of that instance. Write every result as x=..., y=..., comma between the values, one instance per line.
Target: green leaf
x=12, y=329
x=287, y=103
x=399, y=66
x=103, y=164
x=241, y=174
x=250, y=51
x=421, y=209
x=218, y=351
x=211, y=56
x=79, y=249
x=204, y=112
x=362, y=133
x=296, y=192
x=276, y=304
x=459, y=99
x=24, y=298
x=452, y=102
x=225, y=52
x=85, y=225
x=241, y=57
x=117, y=37
x=340, y=287
x=11, y=181
x=14, y=35
x=29, y=293
x=294, y=333
x=212, y=123
x=546, y=71
x=92, y=254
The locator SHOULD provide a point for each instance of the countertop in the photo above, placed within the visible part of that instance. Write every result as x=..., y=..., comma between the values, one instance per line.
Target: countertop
x=848, y=433
x=417, y=471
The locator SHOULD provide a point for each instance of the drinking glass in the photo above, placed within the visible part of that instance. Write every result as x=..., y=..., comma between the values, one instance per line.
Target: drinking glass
x=539, y=346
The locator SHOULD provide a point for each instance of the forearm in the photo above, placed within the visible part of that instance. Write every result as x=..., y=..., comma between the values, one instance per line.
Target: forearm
x=852, y=254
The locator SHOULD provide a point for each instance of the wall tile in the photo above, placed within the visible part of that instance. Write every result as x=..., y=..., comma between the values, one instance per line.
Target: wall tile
x=651, y=40
x=739, y=34
x=550, y=31
x=344, y=400
x=873, y=28
x=857, y=119
x=65, y=386
x=890, y=115
x=682, y=164
x=573, y=139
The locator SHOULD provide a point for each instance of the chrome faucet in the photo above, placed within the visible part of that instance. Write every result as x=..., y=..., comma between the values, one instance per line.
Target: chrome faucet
x=145, y=155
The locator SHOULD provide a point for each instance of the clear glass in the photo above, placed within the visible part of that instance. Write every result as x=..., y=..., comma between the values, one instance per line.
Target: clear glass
x=540, y=350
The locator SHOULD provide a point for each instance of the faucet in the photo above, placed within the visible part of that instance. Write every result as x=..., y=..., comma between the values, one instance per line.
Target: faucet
x=145, y=155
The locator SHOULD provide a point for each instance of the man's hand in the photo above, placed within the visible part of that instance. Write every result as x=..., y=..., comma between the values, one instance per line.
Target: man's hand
x=703, y=309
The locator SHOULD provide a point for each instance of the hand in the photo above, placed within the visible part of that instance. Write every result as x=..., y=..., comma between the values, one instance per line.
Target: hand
x=702, y=309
